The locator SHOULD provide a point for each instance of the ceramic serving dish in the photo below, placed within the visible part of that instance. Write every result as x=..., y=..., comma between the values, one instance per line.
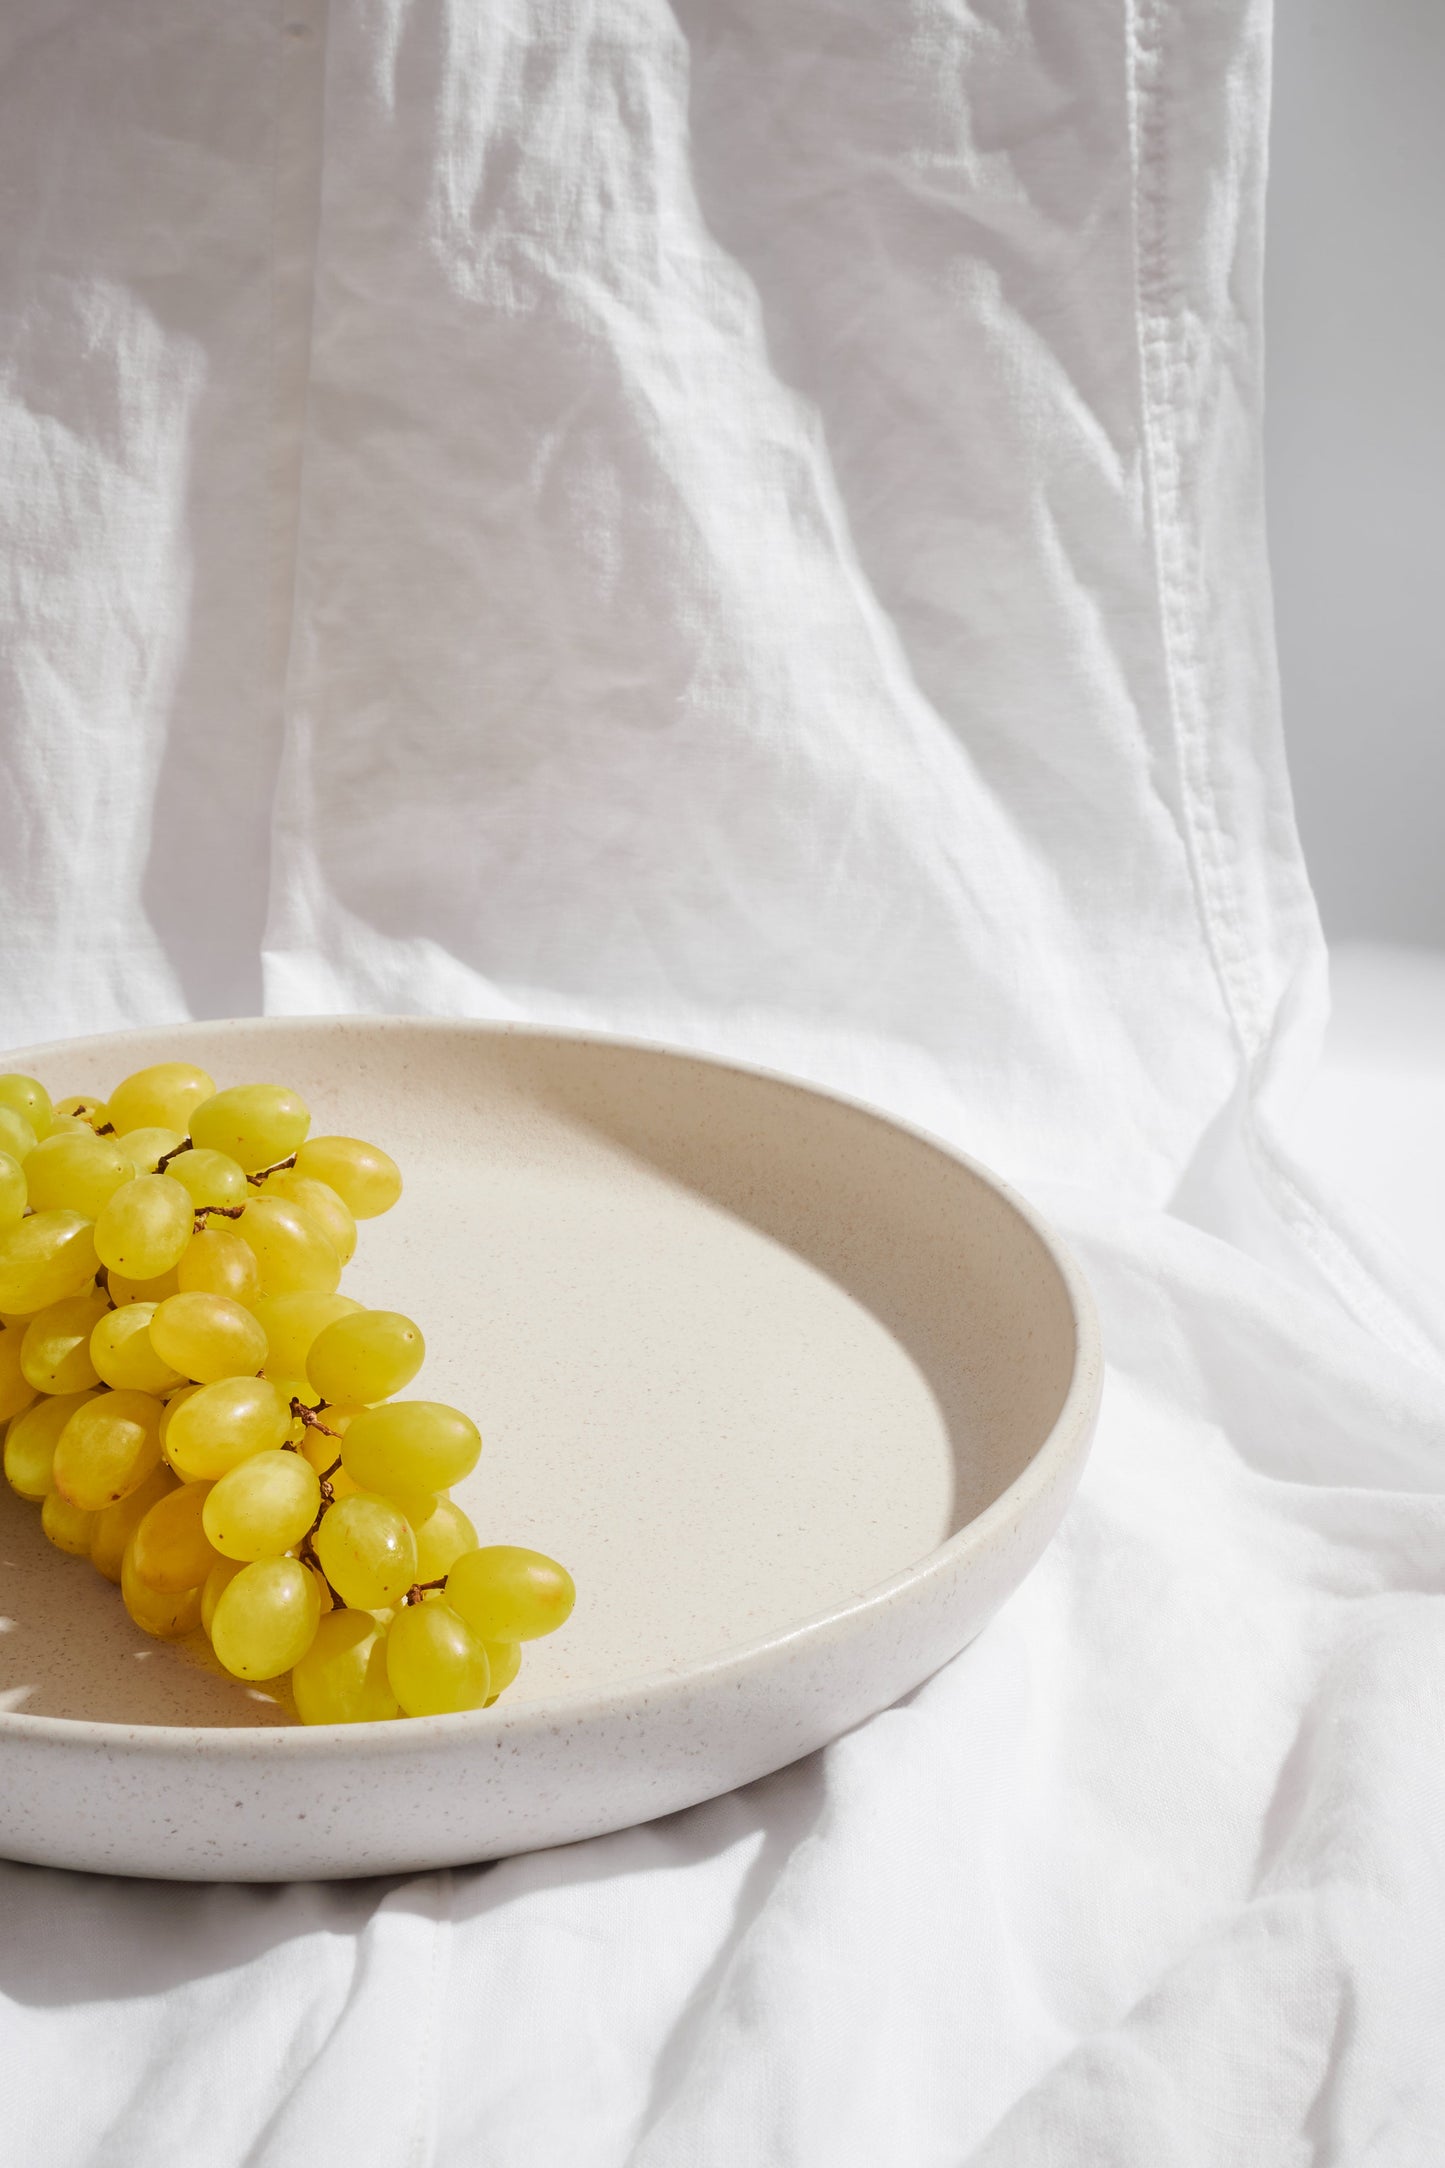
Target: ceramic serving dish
x=797, y=1394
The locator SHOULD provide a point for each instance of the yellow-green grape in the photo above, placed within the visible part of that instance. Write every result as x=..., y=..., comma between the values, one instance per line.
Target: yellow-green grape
x=107, y=1449
x=293, y=1254
x=75, y=1171
x=55, y=1353
x=213, y=1428
x=25, y=1097
x=292, y=1323
x=43, y=1259
x=210, y=1178
x=16, y=1389
x=80, y=1107
x=208, y=1337
x=164, y=1096
x=367, y=1551
x=120, y=1348
x=342, y=1677
x=322, y=1447
x=410, y=1445
x=220, y=1577
x=508, y=1594
x=146, y=1148
x=257, y=1124
x=320, y=1203
x=16, y=1135
x=264, y=1505
x=170, y=1548
x=14, y=1191
x=31, y=1440
x=142, y=1230
x=265, y=1618
x=114, y=1527
x=362, y=1175
x=368, y=1355
x=155, y=1290
x=68, y=1527
x=435, y=1663
x=62, y=1124
x=165, y=1613
x=172, y=1402
x=504, y=1659
x=441, y=1539
x=217, y=1262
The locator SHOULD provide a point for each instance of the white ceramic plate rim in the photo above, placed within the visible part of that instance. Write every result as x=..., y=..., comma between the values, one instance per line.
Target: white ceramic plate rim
x=1067, y=1442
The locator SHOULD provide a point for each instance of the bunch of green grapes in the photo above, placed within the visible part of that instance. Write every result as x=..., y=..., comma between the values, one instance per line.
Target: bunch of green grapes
x=197, y=1409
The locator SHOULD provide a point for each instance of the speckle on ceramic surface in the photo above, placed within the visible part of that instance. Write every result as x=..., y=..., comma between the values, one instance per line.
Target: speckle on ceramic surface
x=798, y=1396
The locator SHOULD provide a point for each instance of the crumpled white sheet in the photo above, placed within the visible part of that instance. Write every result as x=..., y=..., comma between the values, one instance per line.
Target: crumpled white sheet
x=739, y=520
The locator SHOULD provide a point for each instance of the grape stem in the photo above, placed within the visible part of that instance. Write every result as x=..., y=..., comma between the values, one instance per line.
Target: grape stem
x=224, y=1211
x=261, y=1173
x=175, y=1152
x=312, y=1420
x=418, y=1589
x=105, y=1129
x=102, y=1281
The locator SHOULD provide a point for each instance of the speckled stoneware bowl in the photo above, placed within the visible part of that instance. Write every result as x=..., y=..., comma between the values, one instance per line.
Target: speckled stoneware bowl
x=798, y=1395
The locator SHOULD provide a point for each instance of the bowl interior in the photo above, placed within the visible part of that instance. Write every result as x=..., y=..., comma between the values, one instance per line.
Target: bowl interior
x=739, y=1352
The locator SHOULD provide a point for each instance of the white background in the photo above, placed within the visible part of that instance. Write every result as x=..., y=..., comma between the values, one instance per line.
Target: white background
x=1355, y=450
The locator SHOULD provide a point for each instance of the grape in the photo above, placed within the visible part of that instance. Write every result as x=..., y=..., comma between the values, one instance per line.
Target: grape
x=435, y=1663
x=14, y=1193
x=257, y=1124
x=208, y=1337
x=508, y=1594
x=217, y=1262
x=367, y=1551
x=213, y=1428
x=75, y=1171
x=294, y=1256
x=142, y=1230
x=108, y=1448
x=82, y=1107
x=441, y=1537
x=504, y=1661
x=30, y=1444
x=144, y=1149
x=342, y=1677
x=31, y=1101
x=209, y=1178
x=363, y=1177
x=118, y=1523
x=163, y=1613
x=220, y=1577
x=153, y=1291
x=292, y=1323
x=16, y=1135
x=163, y=1096
x=55, y=1353
x=262, y=1506
x=121, y=1350
x=16, y=1389
x=170, y=1547
x=236, y=1322
x=43, y=1259
x=320, y=1203
x=68, y=1527
x=366, y=1356
x=410, y=1445
x=322, y=1447
x=265, y=1618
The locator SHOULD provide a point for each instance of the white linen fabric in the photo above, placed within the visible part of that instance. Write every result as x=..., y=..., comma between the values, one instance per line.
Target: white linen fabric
x=739, y=521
